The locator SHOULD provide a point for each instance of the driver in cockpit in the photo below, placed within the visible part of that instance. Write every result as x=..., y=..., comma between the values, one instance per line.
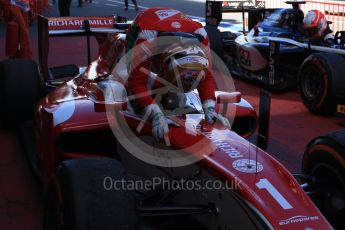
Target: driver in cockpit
x=179, y=67
x=317, y=29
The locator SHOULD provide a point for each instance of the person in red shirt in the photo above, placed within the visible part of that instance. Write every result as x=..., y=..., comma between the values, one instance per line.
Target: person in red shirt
x=183, y=64
x=17, y=42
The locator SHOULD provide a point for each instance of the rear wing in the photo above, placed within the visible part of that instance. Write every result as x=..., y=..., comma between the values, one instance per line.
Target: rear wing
x=73, y=26
x=215, y=10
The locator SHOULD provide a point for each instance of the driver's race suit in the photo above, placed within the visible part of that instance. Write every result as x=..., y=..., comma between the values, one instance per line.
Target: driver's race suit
x=146, y=27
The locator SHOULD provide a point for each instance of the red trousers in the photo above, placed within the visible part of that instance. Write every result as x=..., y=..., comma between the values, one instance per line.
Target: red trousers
x=17, y=34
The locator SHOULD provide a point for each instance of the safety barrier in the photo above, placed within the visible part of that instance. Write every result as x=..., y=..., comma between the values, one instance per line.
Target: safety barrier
x=334, y=10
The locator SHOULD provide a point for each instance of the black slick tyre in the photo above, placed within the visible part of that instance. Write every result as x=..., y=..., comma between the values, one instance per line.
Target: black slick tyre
x=317, y=79
x=81, y=196
x=324, y=159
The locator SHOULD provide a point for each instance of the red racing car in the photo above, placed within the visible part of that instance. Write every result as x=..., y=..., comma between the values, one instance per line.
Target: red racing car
x=101, y=168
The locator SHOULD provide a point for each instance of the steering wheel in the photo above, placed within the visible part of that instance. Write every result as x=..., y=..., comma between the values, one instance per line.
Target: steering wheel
x=339, y=39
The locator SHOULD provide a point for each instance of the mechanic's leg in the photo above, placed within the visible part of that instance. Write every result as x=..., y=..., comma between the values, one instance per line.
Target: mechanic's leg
x=64, y=7
x=135, y=4
x=24, y=36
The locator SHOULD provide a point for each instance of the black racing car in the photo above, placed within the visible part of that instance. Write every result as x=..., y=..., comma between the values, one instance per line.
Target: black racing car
x=276, y=54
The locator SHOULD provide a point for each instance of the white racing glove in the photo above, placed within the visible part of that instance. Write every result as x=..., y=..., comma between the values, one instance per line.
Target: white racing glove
x=160, y=123
x=211, y=115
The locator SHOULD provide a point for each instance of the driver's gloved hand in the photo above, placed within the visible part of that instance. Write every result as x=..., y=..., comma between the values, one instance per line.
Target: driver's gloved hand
x=211, y=115
x=160, y=123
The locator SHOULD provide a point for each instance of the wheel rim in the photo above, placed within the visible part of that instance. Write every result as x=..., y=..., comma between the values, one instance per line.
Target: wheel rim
x=313, y=85
x=330, y=194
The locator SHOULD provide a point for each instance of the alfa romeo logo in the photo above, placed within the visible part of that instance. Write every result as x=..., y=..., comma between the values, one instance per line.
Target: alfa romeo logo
x=138, y=142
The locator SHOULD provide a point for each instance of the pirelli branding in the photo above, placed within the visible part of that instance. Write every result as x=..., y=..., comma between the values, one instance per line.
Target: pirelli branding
x=77, y=22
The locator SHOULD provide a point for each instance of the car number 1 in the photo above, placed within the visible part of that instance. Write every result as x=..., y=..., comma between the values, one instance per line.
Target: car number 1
x=265, y=184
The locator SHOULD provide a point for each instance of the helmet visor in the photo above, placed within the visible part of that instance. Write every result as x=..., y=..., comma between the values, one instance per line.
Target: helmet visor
x=186, y=80
x=185, y=66
x=311, y=32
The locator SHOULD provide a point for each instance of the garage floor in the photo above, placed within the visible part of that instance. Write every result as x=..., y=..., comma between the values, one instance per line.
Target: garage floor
x=20, y=193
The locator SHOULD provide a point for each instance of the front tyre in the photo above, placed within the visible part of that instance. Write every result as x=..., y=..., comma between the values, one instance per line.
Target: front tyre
x=81, y=196
x=324, y=159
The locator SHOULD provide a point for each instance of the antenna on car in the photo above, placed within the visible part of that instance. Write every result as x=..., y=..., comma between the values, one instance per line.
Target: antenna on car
x=264, y=124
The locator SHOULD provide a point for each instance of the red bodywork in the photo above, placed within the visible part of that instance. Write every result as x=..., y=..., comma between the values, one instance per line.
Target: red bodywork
x=273, y=193
x=66, y=110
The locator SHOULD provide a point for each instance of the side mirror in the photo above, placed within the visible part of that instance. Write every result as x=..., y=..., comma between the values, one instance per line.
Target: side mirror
x=225, y=98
